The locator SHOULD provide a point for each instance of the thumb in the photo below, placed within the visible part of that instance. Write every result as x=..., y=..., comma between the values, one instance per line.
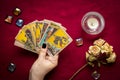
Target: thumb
x=43, y=51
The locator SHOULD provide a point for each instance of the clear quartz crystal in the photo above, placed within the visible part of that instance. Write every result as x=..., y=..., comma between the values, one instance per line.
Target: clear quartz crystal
x=95, y=75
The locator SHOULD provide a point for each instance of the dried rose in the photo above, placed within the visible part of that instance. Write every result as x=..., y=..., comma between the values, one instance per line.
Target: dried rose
x=112, y=58
x=94, y=50
x=106, y=48
x=99, y=42
x=101, y=52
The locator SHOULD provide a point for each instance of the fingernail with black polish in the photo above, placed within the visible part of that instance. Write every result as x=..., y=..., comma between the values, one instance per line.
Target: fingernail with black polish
x=44, y=45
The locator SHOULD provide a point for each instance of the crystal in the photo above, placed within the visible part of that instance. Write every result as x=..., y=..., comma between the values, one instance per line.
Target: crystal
x=17, y=11
x=19, y=22
x=79, y=41
x=11, y=67
x=9, y=19
x=95, y=75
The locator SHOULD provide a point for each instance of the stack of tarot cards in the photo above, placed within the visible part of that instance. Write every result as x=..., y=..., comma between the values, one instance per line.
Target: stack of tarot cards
x=32, y=35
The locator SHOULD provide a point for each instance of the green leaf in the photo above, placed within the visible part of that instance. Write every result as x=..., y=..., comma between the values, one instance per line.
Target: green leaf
x=91, y=64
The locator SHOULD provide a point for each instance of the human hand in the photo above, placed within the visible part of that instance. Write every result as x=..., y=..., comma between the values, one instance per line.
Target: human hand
x=43, y=64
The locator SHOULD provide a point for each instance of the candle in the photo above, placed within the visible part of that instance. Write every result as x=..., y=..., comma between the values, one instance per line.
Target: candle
x=92, y=23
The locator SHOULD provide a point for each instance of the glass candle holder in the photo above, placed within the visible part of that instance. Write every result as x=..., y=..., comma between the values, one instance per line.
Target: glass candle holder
x=93, y=23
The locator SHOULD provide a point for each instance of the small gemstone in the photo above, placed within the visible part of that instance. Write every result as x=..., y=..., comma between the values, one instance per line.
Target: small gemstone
x=95, y=75
x=19, y=22
x=17, y=11
x=9, y=19
x=79, y=41
x=11, y=67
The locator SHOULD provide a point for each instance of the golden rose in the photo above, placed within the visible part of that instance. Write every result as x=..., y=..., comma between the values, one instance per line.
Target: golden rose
x=101, y=52
x=106, y=48
x=112, y=58
x=95, y=50
x=99, y=42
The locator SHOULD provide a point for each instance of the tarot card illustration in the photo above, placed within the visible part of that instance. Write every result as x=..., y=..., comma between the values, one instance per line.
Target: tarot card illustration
x=58, y=41
x=51, y=29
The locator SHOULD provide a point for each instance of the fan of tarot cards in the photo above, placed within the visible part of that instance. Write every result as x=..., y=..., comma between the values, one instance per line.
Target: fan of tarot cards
x=34, y=34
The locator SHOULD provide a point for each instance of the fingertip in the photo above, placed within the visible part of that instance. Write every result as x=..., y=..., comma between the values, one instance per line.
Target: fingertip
x=44, y=45
x=43, y=48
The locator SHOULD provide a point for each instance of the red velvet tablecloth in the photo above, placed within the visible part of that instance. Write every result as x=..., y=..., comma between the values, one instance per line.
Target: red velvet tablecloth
x=69, y=13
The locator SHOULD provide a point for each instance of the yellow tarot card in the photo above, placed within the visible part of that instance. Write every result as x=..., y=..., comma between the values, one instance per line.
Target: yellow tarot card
x=21, y=37
x=55, y=23
x=41, y=26
x=25, y=37
x=50, y=30
x=32, y=27
x=58, y=41
x=17, y=43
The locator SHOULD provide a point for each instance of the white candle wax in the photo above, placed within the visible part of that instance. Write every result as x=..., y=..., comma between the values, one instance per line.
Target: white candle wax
x=92, y=23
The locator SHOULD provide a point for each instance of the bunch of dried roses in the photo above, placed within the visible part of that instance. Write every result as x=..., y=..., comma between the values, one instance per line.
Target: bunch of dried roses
x=101, y=53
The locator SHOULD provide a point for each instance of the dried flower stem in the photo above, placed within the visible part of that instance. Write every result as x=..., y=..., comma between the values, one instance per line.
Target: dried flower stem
x=81, y=68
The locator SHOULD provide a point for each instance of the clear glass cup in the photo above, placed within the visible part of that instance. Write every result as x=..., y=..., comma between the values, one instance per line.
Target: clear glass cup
x=93, y=23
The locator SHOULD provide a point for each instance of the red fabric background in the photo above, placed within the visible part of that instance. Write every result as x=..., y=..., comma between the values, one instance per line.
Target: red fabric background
x=69, y=13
